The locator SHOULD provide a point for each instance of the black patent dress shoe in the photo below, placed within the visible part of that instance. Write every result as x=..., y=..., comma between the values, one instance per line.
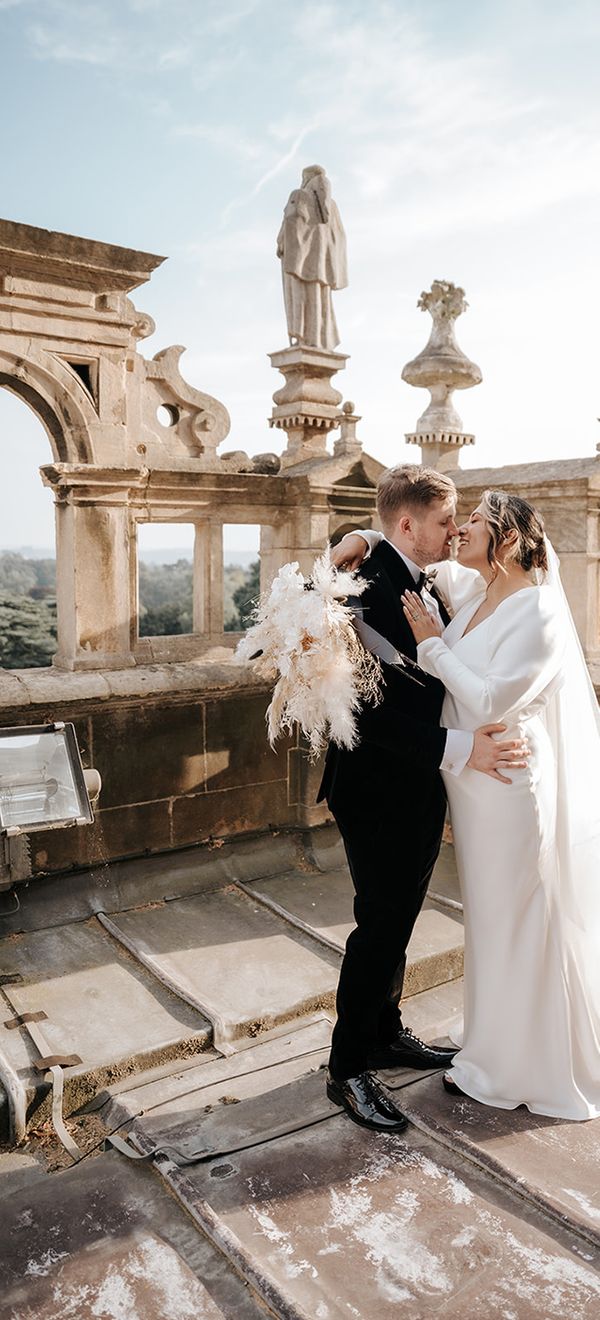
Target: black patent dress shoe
x=366, y=1102
x=407, y=1051
x=451, y=1086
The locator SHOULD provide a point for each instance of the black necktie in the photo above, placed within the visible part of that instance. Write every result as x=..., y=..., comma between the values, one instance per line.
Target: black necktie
x=427, y=579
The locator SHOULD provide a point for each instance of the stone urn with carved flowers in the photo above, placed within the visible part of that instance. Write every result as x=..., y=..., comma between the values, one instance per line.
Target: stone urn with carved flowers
x=442, y=368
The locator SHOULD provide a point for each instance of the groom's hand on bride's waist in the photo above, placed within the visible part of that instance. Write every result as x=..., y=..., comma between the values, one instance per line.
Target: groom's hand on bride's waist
x=493, y=757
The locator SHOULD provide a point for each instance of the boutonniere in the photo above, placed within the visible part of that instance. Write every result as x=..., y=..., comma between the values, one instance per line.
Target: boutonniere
x=428, y=582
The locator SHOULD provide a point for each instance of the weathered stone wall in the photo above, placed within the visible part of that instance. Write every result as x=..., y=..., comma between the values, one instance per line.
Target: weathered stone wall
x=183, y=755
x=567, y=494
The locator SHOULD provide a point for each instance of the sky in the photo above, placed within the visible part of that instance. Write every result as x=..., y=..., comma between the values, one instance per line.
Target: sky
x=462, y=141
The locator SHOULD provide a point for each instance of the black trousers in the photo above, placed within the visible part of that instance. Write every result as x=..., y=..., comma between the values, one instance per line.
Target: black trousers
x=390, y=860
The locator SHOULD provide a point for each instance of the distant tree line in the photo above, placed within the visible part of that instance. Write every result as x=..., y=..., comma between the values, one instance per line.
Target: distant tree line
x=166, y=600
x=27, y=611
x=28, y=604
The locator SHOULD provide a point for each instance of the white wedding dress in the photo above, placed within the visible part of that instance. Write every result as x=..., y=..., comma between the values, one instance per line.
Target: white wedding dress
x=528, y=853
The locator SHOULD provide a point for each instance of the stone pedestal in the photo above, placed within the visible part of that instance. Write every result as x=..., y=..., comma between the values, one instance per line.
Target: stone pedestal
x=440, y=449
x=307, y=406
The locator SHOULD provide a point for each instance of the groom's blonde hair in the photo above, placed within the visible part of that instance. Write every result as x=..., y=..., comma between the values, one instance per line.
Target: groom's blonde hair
x=409, y=487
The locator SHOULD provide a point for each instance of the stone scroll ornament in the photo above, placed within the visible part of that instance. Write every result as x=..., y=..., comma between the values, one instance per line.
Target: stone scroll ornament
x=312, y=247
x=305, y=643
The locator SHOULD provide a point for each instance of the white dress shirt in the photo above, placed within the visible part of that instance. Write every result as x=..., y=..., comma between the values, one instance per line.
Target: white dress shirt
x=459, y=743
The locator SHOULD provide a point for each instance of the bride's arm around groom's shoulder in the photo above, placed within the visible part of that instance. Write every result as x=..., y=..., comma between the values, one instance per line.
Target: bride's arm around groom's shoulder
x=456, y=584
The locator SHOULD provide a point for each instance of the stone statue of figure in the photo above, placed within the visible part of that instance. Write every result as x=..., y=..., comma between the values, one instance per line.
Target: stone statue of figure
x=312, y=246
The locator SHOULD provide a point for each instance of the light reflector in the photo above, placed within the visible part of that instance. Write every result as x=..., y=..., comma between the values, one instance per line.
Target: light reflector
x=41, y=779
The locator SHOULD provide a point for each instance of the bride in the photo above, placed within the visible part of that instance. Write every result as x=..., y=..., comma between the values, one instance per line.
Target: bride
x=528, y=851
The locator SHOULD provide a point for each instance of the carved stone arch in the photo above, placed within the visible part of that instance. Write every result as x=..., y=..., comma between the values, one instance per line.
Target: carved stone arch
x=342, y=528
x=55, y=395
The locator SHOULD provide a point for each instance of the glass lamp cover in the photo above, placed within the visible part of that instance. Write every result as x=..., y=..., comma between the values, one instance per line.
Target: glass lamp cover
x=41, y=779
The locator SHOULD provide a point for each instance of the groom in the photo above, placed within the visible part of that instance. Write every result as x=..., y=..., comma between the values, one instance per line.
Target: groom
x=388, y=799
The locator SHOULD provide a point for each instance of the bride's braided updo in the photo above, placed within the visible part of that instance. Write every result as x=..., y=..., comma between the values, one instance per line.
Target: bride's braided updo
x=506, y=513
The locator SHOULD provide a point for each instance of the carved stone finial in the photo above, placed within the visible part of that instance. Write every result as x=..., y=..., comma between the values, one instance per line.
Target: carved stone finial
x=445, y=301
x=348, y=442
x=441, y=368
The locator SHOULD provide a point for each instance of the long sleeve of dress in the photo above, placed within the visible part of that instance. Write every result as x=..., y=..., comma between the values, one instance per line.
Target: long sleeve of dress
x=525, y=652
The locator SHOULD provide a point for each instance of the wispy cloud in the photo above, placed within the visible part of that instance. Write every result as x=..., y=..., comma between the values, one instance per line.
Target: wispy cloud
x=73, y=49
x=223, y=137
x=176, y=57
x=138, y=37
x=441, y=139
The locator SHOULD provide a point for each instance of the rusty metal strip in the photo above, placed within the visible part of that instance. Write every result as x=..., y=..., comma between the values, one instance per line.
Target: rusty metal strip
x=23, y=1018
x=56, y=1061
x=53, y=1063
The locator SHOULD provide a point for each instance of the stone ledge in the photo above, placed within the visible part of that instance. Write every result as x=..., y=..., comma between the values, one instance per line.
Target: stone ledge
x=44, y=687
x=561, y=470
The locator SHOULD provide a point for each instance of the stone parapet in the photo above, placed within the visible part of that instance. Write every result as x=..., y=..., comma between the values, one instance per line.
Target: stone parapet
x=183, y=754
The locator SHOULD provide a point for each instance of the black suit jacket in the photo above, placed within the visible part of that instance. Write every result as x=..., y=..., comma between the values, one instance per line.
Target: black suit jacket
x=401, y=743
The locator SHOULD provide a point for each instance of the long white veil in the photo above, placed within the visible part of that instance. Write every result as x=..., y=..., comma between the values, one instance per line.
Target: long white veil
x=573, y=873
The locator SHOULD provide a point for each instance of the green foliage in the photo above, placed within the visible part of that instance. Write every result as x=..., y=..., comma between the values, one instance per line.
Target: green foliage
x=246, y=596
x=165, y=621
x=166, y=590
x=27, y=611
x=166, y=584
x=20, y=576
x=166, y=598
x=27, y=632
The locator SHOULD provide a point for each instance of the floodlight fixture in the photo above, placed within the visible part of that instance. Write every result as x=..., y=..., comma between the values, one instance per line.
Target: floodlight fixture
x=42, y=783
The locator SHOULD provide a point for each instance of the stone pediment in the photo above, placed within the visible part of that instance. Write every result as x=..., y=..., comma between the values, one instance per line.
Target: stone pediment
x=358, y=474
x=43, y=255
x=342, y=470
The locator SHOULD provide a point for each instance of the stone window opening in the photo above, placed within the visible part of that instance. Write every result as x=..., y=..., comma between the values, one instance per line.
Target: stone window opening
x=241, y=574
x=165, y=593
x=194, y=585
x=28, y=622
x=168, y=414
x=87, y=371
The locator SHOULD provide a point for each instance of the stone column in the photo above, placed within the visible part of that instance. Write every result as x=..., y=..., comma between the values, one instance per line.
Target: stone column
x=95, y=560
x=208, y=579
x=307, y=406
x=441, y=368
x=93, y=587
